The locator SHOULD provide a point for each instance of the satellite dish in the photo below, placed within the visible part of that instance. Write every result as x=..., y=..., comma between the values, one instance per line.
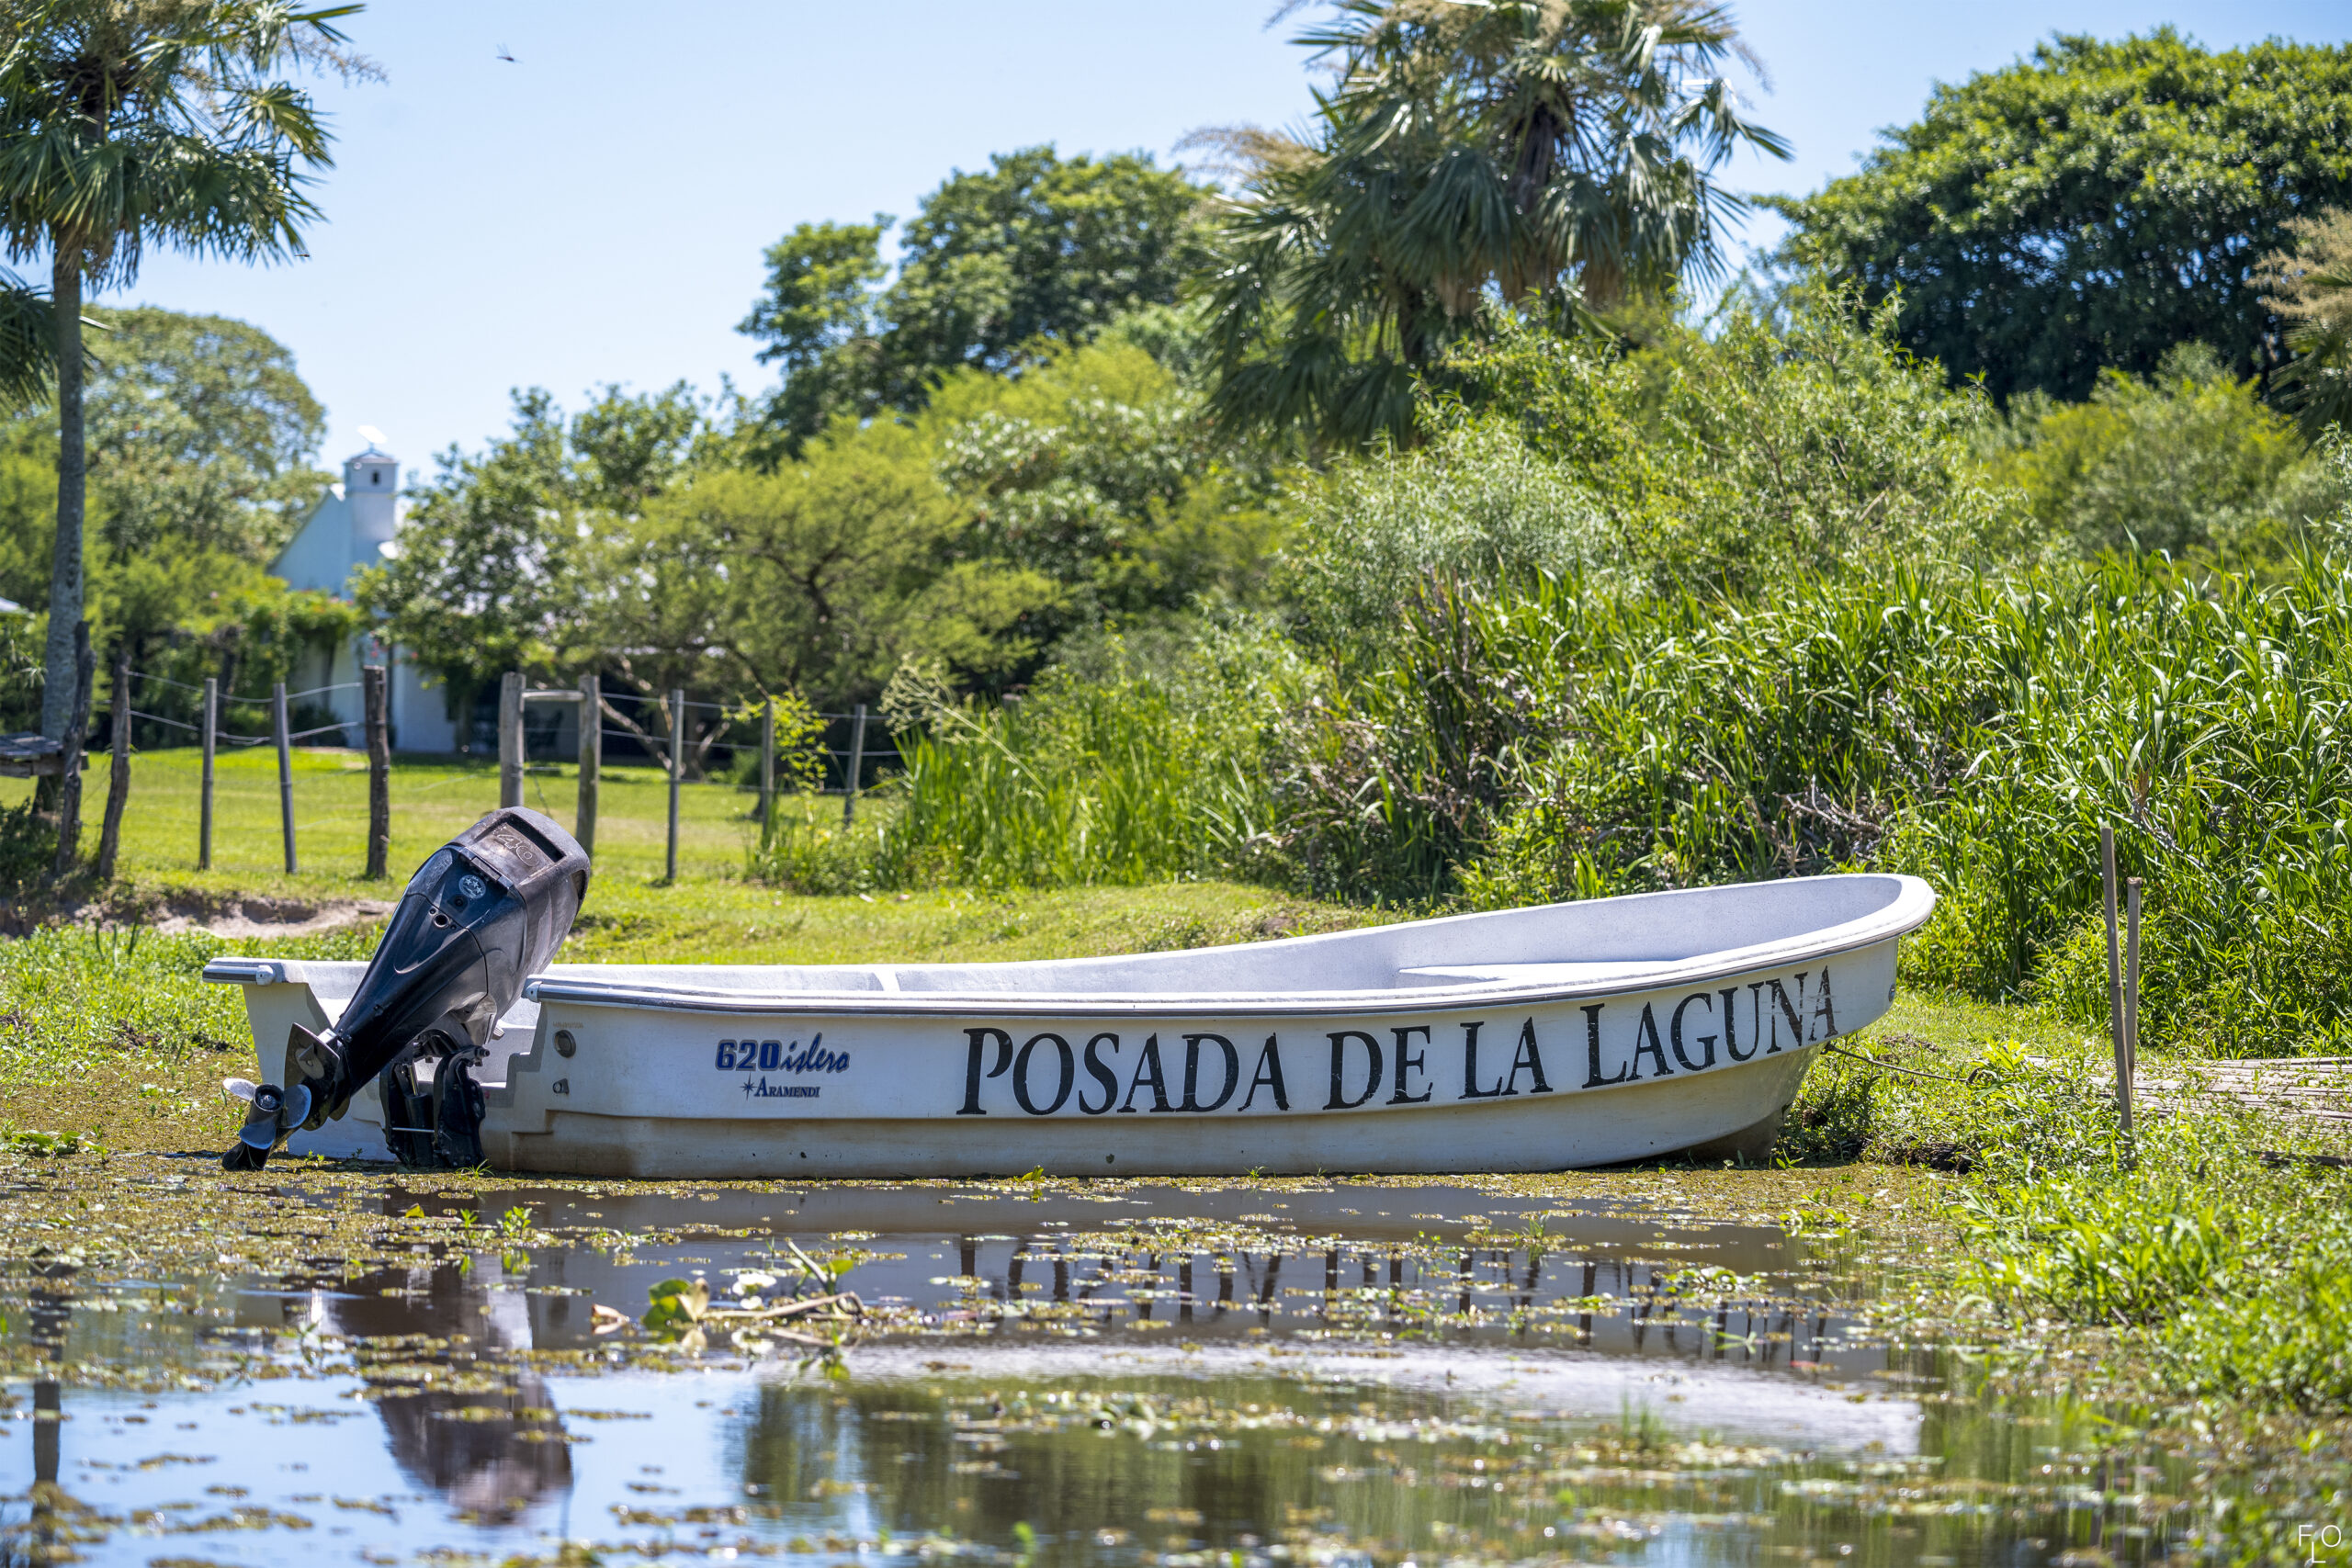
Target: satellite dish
x=371, y=434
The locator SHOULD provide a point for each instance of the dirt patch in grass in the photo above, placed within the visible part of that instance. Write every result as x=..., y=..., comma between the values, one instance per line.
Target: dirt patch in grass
x=249, y=915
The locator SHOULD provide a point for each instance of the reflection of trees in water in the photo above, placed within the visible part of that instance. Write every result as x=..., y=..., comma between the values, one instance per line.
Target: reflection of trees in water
x=804, y=1441
x=484, y=1451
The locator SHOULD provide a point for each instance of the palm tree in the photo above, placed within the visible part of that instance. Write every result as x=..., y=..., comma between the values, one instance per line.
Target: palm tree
x=2312, y=293
x=1546, y=156
x=130, y=122
x=25, y=343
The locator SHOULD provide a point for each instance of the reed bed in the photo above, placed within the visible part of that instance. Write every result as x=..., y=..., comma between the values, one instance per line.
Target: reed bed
x=1562, y=739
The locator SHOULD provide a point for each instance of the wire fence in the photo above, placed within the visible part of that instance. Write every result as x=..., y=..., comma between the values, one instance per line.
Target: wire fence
x=686, y=740
x=224, y=737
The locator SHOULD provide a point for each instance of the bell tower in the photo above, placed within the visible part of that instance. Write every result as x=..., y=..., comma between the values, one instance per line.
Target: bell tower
x=371, y=488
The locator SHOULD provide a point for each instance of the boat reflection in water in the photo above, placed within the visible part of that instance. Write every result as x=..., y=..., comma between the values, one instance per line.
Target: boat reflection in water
x=1174, y=1295
x=467, y=1423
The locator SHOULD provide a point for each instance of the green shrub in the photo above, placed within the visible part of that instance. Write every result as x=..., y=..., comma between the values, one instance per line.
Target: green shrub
x=71, y=998
x=1571, y=742
x=806, y=848
x=1764, y=450
x=2220, y=1274
x=1835, y=1116
x=2285, y=1337
x=2186, y=460
x=1473, y=505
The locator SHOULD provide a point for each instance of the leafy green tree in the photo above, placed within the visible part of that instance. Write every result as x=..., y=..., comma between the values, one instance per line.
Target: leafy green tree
x=2091, y=206
x=486, y=581
x=199, y=429
x=1096, y=469
x=199, y=433
x=1036, y=247
x=28, y=342
x=1769, y=448
x=126, y=123
x=1553, y=153
x=2313, y=296
x=627, y=447
x=512, y=557
x=2185, y=461
x=818, y=578
x=820, y=322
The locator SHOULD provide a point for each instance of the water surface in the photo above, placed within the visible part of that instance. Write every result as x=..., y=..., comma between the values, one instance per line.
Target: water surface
x=1243, y=1374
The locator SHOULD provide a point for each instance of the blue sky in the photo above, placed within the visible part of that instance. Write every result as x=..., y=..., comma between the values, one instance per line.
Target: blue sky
x=593, y=210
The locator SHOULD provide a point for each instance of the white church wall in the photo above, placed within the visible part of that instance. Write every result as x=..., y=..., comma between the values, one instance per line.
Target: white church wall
x=317, y=559
x=420, y=710
x=347, y=529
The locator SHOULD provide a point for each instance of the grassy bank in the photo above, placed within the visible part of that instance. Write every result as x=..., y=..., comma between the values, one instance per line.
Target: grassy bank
x=111, y=1032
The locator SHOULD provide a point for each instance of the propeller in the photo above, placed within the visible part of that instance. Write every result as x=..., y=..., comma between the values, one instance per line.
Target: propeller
x=271, y=1113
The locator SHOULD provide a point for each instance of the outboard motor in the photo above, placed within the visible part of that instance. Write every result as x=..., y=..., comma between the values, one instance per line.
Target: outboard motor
x=485, y=913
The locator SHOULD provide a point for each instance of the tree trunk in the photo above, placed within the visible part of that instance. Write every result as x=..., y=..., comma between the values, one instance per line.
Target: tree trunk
x=118, y=769
x=65, y=586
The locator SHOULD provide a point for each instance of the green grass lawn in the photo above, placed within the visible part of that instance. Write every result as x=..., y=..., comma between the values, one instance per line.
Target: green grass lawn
x=110, y=1032
x=711, y=914
x=431, y=800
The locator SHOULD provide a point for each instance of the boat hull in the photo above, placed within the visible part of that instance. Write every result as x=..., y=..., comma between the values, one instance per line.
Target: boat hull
x=1532, y=1133
x=1703, y=1059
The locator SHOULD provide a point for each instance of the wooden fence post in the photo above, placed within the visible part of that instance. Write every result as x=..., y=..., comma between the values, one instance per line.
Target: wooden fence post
x=767, y=767
x=69, y=781
x=118, y=769
x=677, y=773
x=592, y=760
x=510, y=740
x=209, y=728
x=284, y=732
x=375, y=681
x=856, y=773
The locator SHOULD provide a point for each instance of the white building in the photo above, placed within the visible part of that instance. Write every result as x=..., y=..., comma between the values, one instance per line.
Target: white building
x=355, y=523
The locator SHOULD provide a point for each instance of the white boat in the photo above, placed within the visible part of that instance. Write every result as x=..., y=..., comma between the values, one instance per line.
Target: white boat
x=1538, y=1039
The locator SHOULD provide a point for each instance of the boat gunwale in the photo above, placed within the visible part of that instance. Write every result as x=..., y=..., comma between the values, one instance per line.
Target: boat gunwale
x=1914, y=902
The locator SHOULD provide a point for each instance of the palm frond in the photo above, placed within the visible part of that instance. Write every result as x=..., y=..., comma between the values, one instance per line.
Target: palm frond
x=28, y=344
x=1541, y=153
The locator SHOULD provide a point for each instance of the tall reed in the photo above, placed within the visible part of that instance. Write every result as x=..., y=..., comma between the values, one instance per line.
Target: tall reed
x=1558, y=741
x=1136, y=769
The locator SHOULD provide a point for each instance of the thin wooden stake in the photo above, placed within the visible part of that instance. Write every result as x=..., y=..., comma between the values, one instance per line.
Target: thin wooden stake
x=510, y=740
x=2115, y=974
x=68, y=782
x=375, y=683
x=767, y=767
x=118, y=769
x=856, y=773
x=2130, y=995
x=592, y=760
x=210, y=730
x=677, y=773
x=277, y=719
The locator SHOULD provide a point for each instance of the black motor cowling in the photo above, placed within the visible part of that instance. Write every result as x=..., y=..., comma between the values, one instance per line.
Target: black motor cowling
x=485, y=912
